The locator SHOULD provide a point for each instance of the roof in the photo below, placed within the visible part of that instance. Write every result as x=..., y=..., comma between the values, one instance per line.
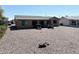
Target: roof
x=54, y=18
x=20, y=17
x=72, y=17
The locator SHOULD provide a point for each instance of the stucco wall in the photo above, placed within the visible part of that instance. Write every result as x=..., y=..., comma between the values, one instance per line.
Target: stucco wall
x=64, y=21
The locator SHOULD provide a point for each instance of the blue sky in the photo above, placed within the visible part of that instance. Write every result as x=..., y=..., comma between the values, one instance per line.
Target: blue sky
x=40, y=10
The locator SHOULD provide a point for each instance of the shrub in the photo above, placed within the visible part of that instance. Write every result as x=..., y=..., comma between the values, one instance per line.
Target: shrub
x=2, y=30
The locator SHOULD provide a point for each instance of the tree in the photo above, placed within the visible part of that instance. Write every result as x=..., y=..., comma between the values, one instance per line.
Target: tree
x=1, y=16
x=1, y=13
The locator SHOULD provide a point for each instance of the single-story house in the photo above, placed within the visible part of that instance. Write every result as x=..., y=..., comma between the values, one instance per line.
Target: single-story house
x=31, y=21
x=70, y=21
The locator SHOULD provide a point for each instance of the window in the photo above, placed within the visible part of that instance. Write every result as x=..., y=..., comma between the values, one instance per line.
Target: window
x=55, y=21
x=73, y=22
x=24, y=23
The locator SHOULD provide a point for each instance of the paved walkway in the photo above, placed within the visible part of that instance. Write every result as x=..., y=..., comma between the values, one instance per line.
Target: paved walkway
x=61, y=40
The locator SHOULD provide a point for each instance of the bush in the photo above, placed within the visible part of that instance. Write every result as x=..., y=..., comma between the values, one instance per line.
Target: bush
x=2, y=30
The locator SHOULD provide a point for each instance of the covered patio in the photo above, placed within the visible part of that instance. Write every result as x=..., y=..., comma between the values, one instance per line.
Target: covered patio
x=35, y=21
x=74, y=23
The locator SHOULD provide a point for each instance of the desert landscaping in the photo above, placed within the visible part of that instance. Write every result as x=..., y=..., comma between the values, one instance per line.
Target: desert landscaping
x=61, y=40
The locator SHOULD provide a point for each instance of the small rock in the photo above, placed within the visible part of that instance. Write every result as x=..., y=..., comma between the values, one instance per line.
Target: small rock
x=43, y=45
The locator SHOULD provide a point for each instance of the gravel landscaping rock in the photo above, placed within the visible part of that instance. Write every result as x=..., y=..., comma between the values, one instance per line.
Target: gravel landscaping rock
x=61, y=40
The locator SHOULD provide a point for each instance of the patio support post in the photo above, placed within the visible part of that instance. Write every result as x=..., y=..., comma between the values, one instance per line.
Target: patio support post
x=45, y=22
x=38, y=22
x=52, y=25
x=52, y=22
x=76, y=23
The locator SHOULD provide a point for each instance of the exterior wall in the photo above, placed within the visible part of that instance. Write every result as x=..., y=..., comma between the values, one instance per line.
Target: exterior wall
x=69, y=22
x=64, y=21
x=58, y=22
x=30, y=25
x=19, y=24
x=55, y=24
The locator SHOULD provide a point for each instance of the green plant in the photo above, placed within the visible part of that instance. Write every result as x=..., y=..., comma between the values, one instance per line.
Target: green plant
x=2, y=30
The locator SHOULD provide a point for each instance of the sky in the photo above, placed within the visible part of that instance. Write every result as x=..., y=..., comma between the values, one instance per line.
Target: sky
x=40, y=10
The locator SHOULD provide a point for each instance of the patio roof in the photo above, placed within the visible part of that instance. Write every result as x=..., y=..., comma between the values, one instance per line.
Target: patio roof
x=21, y=17
x=72, y=17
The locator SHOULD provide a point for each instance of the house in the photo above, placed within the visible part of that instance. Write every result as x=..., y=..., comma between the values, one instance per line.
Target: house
x=22, y=21
x=70, y=21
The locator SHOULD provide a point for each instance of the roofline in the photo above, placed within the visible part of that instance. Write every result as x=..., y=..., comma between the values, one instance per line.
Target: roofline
x=32, y=15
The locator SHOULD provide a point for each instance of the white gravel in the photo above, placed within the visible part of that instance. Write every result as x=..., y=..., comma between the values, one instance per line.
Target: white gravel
x=62, y=40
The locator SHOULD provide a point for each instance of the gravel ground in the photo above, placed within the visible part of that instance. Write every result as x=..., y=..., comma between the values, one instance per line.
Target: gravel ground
x=62, y=40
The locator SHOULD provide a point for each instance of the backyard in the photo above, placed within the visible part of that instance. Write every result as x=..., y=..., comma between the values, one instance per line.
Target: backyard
x=60, y=39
